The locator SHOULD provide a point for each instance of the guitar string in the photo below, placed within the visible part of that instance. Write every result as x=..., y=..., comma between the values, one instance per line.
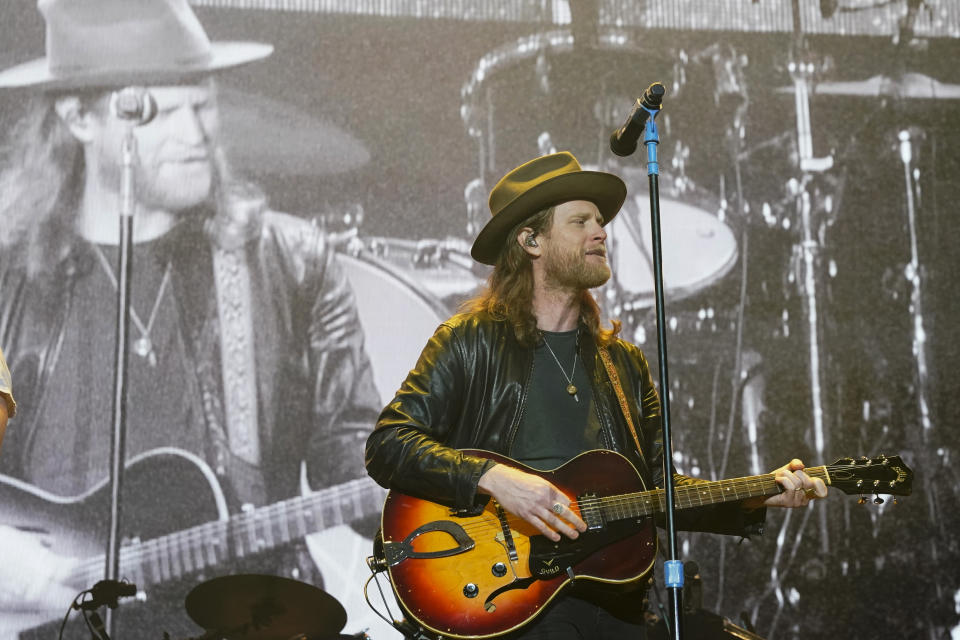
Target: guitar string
x=184, y=543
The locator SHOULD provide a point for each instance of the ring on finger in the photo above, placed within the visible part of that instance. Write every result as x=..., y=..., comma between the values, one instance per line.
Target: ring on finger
x=557, y=508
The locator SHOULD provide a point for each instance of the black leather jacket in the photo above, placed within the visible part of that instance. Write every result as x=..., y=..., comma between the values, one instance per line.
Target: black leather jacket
x=316, y=396
x=468, y=391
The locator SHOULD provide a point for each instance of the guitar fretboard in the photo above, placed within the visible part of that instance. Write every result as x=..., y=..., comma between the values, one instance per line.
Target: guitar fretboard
x=647, y=503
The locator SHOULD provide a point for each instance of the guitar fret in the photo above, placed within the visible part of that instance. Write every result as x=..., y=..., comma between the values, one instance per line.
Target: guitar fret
x=332, y=514
x=196, y=546
x=212, y=543
x=174, y=554
x=282, y=522
x=164, y=558
x=318, y=521
x=250, y=527
x=153, y=552
x=183, y=551
x=237, y=534
x=300, y=519
x=266, y=541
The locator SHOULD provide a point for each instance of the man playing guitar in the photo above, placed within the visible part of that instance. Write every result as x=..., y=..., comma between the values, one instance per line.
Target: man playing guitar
x=528, y=371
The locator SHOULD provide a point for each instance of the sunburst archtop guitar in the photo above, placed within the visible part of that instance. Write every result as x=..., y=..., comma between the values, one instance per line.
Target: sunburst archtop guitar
x=485, y=575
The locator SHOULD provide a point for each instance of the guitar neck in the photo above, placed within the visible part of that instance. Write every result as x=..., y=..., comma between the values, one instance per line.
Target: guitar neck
x=177, y=554
x=648, y=503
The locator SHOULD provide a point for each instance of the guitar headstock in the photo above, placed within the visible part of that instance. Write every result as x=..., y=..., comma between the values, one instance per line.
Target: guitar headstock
x=862, y=476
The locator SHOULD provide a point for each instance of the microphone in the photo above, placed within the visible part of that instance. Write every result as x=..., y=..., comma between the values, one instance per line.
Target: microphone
x=133, y=104
x=107, y=592
x=623, y=141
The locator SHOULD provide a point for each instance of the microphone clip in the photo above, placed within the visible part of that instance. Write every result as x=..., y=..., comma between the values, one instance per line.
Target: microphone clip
x=106, y=593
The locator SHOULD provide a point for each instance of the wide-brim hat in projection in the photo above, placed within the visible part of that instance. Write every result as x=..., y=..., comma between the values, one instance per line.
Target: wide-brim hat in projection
x=110, y=43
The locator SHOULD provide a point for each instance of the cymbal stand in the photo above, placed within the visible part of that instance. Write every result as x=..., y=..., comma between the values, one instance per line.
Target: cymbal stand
x=808, y=256
x=914, y=274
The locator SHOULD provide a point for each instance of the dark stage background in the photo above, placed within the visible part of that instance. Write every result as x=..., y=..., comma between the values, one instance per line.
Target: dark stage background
x=389, y=122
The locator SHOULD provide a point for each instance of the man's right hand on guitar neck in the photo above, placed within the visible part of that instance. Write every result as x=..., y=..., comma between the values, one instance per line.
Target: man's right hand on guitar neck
x=533, y=499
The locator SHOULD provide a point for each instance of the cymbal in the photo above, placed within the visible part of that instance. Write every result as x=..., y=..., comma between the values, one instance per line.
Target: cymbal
x=905, y=86
x=264, y=135
x=262, y=607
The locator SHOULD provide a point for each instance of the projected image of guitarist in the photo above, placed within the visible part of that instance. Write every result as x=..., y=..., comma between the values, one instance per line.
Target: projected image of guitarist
x=248, y=383
x=528, y=371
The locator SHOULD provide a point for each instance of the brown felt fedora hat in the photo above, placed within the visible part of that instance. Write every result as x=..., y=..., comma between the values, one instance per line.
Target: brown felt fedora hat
x=103, y=43
x=537, y=185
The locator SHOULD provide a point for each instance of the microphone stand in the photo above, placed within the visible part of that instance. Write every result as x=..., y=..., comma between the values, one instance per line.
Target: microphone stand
x=672, y=567
x=131, y=111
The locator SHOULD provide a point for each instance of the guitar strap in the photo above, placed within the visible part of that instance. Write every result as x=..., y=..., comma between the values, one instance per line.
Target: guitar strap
x=624, y=407
x=237, y=358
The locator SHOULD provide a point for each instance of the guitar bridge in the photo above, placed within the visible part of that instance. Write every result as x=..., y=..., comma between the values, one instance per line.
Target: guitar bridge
x=507, y=534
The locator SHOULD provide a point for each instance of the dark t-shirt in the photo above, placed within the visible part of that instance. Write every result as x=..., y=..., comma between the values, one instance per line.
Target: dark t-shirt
x=69, y=452
x=555, y=425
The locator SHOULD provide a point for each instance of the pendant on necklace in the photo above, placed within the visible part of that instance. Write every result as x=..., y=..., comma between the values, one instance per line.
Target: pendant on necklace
x=571, y=389
x=143, y=347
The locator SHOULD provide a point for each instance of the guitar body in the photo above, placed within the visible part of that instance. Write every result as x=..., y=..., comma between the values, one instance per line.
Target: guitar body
x=164, y=490
x=462, y=577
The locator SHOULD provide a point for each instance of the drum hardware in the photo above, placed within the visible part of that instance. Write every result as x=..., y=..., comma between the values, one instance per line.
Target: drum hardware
x=909, y=85
x=439, y=267
x=808, y=251
x=264, y=607
x=914, y=274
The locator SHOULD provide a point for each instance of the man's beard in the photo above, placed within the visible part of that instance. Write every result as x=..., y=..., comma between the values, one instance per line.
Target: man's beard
x=570, y=270
x=175, y=188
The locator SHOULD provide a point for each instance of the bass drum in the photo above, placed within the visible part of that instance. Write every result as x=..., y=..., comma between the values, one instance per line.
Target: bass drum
x=397, y=316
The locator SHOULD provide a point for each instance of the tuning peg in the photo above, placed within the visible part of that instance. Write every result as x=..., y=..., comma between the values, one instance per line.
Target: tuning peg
x=861, y=500
x=895, y=501
x=878, y=500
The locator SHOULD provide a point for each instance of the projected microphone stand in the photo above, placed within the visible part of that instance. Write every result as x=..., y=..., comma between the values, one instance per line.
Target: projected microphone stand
x=134, y=107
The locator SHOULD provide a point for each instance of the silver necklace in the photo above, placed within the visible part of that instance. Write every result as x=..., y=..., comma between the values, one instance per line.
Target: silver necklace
x=571, y=388
x=142, y=346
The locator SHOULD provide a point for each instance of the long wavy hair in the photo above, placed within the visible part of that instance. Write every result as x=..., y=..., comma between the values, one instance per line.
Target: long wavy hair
x=509, y=291
x=42, y=172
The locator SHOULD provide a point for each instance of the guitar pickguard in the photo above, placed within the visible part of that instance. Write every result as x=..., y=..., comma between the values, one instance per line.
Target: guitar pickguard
x=549, y=559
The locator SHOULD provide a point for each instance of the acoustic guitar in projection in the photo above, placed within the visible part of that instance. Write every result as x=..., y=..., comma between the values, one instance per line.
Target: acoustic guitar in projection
x=484, y=575
x=176, y=521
